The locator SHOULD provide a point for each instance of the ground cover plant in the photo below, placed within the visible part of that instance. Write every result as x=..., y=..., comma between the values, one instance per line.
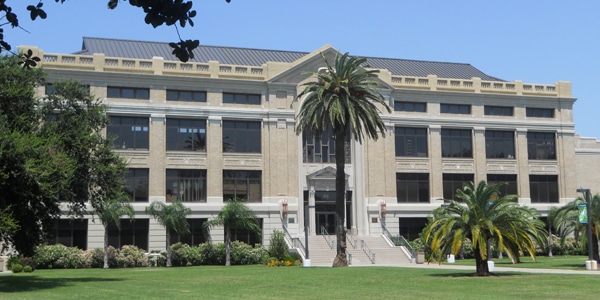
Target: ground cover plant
x=261, y=282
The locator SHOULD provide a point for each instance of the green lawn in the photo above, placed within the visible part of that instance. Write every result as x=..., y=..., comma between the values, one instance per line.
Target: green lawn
x=260, y=282
x=574, y=262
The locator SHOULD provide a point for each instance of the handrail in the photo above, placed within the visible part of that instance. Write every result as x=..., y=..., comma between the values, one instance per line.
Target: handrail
x=294, y=242
x=399, y=240
x=370, y=254
x=350, y=240
x=328, y=239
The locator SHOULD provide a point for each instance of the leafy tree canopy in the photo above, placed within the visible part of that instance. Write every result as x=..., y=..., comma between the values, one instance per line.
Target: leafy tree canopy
x=158, y=12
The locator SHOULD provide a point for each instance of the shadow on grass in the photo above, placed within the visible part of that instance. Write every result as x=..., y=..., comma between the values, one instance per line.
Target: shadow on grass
x=473, y=274
x=18, y=283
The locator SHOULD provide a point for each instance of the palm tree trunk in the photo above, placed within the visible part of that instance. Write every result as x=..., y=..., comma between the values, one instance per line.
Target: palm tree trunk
x=481, y=264
x=105, y=247
x=169, y=264
x=227, y=247
x=340, y=196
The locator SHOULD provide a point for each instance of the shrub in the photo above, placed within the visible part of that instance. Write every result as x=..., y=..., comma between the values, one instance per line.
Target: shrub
x=244, y=254
x=28, y=262
x=157, y=259
x=27, y=269
x=60, y=256
x=12, y=261
x=131, y=256
x=96, y=257
x=212, y=254
x=17, y=268
x=278, y=248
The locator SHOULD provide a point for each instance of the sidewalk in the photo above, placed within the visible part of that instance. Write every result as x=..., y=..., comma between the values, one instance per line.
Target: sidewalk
x=503, y=269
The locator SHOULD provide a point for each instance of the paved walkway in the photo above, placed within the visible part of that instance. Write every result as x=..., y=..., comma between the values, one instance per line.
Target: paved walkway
x=502, y=269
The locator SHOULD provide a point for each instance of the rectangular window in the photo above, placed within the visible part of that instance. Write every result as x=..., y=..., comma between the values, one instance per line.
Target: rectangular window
x=136, y=184
x=410, y=228
x=463, y=109
x=49, y=89
x=322, y=150
x=70, y=232
x=499, y=144
x=246, y=185
x=412, y=187
x=132, y=232
x=541, y=146
x=128, y=92
x=241, y=98
x=196, y=236
x=410, y=106
x=186, y=185
x=129, y=132
x=498, y=110
x=186, y=135
x=543, y=188
x=241, y=136
x=411, y=142
x=457, y=143
x=533, y=112
x=246, y=236
x=509, y=181
x=453, y=182
x=187, y=96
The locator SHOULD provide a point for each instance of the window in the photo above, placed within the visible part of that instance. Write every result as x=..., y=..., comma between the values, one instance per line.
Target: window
x=452, y=182
x=136, y=184
x=410, y=106
x=70, y=232
x=410, y=228
x=455, y=109
x=186, y=185
x=188, y=96
x=499, y=144
x=249, y=237
x=241, y=98
x=509, y=181
x=539, y=112
x=127, y=92
x=543, y=188
x=412, y=187
x=457, y=143
x=196, y=236
x=246, y=185
x=129, y=132
x=132, y=232
x=541, y=145
x=322, y=150
x=241, y=136
x=186, y=135
x=411, y=142
x=49, y=89
x=497, y=110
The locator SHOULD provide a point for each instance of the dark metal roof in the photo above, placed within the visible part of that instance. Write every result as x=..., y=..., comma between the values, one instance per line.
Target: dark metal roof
x=258, y=57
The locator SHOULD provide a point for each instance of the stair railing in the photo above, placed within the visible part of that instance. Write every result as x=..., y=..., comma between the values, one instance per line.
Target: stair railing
x=370, y=254
x=399, y=240
x=294, y=242
x=351, y=240
x=328, y=239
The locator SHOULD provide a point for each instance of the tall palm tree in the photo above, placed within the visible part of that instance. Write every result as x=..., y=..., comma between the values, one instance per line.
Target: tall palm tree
x=566, y=222
x=484, y=216
x=345, y=98
x=234, y=215
x=109, y=212
x=171, y=217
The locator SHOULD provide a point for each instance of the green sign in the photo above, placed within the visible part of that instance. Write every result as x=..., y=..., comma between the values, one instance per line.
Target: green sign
x=583, y=216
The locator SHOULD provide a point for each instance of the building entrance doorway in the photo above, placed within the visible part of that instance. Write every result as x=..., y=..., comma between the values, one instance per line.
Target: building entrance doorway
x=325, y=221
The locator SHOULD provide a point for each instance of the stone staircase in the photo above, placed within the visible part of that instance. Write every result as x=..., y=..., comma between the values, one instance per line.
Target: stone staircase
x=321, y=254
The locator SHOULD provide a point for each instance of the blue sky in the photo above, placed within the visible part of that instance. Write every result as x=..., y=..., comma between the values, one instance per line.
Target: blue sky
x=533, y=41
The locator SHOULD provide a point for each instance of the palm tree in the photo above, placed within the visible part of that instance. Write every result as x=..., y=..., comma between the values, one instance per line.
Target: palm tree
x=234, y=215
x=109, y=213
x=172, y=217
x=484, y=216
x=566, y=222
x=345, y=98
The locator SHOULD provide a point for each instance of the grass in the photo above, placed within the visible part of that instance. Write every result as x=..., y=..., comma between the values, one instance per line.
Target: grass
x=574, y=262
x=261, y=282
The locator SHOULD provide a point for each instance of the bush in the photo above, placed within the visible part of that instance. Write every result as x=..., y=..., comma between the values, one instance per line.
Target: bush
x=131, y=256
x=60, y=256
x=27, y=269
x=12, y=261
x=157, y=259
x=96, y=257
x=244, y=254
x=212, y=254
x=28, y=262
x=17, y=268
x=278, y=248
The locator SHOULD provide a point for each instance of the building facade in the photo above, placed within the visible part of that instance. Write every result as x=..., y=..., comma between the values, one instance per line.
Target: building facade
x=223, y=126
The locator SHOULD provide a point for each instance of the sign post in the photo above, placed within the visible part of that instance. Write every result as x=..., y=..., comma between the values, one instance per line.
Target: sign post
x=585, y=217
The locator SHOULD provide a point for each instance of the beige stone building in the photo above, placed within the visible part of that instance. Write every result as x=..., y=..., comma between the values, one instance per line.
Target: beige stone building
x=223, y=125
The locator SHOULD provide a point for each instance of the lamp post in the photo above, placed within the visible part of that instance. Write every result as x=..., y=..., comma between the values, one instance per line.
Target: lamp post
x=586, y=193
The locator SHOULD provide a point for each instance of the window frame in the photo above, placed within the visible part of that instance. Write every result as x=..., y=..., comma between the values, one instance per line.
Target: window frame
x=454, y=181
x=72, y=226
x=247, y=137
x=540, y=146
x=542, y=188
x=539, y=112
x=174, y=135
x=500, y=147
x=451, y=140
x=118, y=92
x=410, y=106
x=405, y=136
x=136, y=178
x=139, y=229
x=456, y=109
x=248, y=181
x=310, y=145
x=186, y=178
x=415, y=186
x=510, y=188
x=196, y=235
x=138, y=135
x=242, y=98
x=496, y=110
x=195, y=96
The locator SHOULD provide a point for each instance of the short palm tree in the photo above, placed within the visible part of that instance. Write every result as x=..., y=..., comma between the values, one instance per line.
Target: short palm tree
x=234, y=215
x=567, y=223
x=484, y=216
x=171, y=217
x=110, y=212
x=345, y=98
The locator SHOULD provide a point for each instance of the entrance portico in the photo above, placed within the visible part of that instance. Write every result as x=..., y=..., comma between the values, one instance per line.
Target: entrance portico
x=320, y=202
